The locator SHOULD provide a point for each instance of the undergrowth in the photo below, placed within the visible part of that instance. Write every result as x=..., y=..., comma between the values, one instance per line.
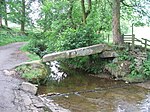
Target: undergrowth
x=8, y=35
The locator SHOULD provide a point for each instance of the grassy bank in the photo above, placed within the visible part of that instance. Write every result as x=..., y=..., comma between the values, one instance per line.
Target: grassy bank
x=8, y=35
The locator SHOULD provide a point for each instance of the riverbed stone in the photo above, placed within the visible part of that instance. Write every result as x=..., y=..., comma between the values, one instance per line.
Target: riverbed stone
x=26, y=86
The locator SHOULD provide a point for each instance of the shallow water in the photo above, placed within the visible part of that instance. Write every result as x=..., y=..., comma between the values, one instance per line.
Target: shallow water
x=80, y=92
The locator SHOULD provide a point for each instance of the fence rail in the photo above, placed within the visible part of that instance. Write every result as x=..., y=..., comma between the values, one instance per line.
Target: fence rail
x=133, y=40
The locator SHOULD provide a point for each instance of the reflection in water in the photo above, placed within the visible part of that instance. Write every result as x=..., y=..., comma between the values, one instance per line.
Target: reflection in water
x=56, y=74
x=84, y=93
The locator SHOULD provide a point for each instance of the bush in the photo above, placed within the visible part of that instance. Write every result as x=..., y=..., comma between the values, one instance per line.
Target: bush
x=81, y=37
x=48, y=42
x=34, y=73
x=37, y=44
x=143, y=73
x=146, y=69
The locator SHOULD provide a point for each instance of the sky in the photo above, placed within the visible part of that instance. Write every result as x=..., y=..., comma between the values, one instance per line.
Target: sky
x=142, y=32
x=35, y=7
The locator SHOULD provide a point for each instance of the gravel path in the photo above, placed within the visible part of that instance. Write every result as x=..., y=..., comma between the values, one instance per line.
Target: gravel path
x=12, y=99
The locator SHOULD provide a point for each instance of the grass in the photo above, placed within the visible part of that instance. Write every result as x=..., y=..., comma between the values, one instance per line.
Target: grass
x=8, y=35
x=31, y=56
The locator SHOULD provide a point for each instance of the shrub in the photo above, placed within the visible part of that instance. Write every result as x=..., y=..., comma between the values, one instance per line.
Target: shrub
x=77, y=38
x=143, y=72
x=81, y=37
x=37, y=44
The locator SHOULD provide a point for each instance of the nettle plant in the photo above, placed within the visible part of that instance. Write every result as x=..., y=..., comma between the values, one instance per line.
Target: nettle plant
x=143, y=71
x=81, y=37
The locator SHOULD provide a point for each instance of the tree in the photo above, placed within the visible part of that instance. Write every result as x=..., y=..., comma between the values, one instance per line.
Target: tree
x=5, y=12
x=23, y=16
x=84, y=12
x=19, y=11
x=1, y=7
x=136, y=10
x=116, y=22
x=70, y=13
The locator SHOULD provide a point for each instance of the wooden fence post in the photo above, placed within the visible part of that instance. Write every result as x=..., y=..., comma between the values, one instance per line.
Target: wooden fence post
x=133, y=40
x=108, y=38
x=123, y=38
x=145, y=45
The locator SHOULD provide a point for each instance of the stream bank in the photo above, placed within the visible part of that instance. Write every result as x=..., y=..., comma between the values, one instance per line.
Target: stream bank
x=78, y=92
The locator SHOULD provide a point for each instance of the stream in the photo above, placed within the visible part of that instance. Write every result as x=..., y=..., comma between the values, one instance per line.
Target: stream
x=79, y=92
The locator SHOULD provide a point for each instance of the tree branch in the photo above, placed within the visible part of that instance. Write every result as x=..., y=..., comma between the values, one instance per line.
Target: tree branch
x=122, y=1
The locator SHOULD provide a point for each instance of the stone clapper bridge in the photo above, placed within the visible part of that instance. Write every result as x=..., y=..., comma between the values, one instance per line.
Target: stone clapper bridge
x=103, y=49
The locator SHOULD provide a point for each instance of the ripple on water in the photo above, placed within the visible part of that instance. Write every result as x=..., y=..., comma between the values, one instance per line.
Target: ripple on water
x=145, y=104
x=107, y=95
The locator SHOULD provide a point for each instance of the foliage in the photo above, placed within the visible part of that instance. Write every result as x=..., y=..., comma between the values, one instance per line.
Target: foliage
x=136, y=74
x=125, y=55
x=146, y=69
x=15, y=11
x=81, y=37
x=143, y=72
x=91, y=64
x=9, y=36
x=33, y=73
x=136, y=12
x=37, y=44
x=54, y=15
x=112, y=65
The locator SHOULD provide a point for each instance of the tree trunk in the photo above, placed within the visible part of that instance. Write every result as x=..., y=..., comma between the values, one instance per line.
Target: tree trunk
x=23, y=17
x=116, y=22
x=1, y=13
x=83, y=11
x=0, y=21
x=70, y=14
x=89, y=5
x=5, y=8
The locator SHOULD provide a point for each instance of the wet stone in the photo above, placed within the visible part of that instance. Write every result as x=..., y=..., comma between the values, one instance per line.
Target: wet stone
x=39, y=105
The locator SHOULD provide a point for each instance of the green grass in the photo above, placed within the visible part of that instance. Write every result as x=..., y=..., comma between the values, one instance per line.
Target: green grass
x=8, y=35
x=31, y=56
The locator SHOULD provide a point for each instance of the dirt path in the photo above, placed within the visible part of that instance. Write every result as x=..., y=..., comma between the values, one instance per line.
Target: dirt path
x=9, y=57
x=12, y=99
